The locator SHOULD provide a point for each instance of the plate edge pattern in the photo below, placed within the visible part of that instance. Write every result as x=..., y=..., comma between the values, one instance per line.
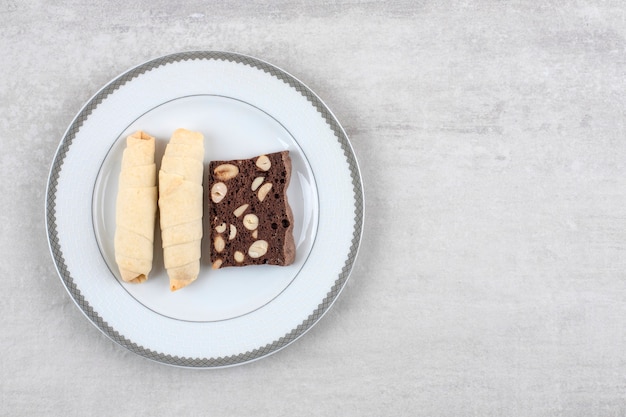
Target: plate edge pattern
x=75, y=292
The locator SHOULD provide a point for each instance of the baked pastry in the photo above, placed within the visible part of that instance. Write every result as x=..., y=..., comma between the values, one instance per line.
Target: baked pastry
x=135, y=210
x=180, y=205
x=251, y=221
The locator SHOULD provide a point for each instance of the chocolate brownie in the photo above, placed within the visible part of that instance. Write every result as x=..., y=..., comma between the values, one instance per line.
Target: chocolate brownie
x=251, y=221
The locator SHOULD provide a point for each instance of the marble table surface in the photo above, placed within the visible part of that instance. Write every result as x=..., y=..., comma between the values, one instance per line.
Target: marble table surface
x=491, y=278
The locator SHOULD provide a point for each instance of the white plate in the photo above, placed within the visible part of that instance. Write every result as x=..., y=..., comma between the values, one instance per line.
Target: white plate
x=244, y=107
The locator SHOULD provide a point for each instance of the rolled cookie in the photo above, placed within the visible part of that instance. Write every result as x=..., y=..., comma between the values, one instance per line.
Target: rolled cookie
x=135, y=210
x=180, y=205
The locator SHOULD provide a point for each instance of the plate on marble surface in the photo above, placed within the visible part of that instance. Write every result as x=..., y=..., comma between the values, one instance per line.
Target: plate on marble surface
x=244, y=107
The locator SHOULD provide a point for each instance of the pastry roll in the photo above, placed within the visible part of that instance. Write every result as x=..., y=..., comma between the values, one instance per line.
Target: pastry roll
x=135, y=210
x=180, y=205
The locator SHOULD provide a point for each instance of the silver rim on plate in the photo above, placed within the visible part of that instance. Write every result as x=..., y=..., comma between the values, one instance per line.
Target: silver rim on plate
x=197, y=362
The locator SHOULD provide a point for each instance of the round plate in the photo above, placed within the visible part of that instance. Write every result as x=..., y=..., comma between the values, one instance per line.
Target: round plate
x=244, y=107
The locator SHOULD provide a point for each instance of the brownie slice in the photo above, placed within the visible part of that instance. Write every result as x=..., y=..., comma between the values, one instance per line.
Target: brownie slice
x=251, y=221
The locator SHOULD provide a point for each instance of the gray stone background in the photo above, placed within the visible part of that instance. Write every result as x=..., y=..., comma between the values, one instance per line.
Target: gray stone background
x=491, y=279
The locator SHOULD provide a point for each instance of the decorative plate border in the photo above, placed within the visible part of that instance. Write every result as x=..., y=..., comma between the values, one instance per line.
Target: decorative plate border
x=57, y=252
